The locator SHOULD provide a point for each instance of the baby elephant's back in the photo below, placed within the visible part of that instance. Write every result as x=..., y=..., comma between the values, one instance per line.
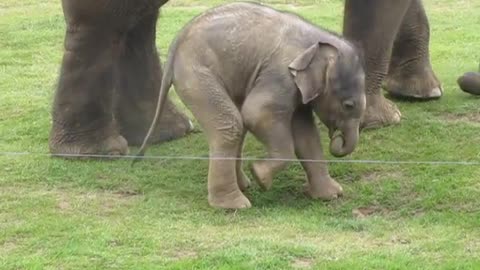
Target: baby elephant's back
x=238, y=18
x=237, y=32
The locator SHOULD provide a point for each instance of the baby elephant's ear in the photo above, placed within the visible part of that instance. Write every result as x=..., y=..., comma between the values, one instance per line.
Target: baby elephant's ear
x=311, y=68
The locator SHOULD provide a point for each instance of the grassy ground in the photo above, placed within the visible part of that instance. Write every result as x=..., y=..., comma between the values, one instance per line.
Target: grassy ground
x=57, y=214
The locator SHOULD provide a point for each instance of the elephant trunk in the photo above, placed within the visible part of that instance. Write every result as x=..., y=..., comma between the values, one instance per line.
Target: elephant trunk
x=344, y=141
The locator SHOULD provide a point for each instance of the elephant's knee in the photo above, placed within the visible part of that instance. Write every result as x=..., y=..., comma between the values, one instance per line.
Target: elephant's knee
x=252, y=116
x=260, y=118
x=228, y=135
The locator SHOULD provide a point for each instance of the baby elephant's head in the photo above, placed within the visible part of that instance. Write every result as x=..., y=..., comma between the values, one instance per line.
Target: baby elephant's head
x=332, y=80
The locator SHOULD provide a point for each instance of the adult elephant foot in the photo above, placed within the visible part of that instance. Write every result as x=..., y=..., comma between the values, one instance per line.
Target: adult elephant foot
x=108, y=86
x=423, y=85
x=82, y=119
x=137, y=82
x=66, y=142
x=410, y=74
x=134, y=120
x=380, y=112
x=470, y=83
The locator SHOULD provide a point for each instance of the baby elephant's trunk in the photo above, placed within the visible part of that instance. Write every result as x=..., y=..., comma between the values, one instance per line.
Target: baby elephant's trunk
x=344, y=142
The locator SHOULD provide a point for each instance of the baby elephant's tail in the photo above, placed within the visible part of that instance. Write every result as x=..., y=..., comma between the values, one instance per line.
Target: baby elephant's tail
x=167, y=80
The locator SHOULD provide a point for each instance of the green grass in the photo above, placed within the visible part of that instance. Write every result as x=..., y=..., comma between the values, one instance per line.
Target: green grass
x=57, y=214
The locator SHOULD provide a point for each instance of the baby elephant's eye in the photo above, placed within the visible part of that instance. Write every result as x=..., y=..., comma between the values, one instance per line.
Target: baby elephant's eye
x=348, y=104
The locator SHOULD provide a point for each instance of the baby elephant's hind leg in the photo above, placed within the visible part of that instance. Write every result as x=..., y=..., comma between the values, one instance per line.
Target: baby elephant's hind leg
x=223, y=125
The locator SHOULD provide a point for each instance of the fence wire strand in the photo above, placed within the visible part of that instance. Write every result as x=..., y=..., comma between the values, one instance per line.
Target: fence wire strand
x=182, y=157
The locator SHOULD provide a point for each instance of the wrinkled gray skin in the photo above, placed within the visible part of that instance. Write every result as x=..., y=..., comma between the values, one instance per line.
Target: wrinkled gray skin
x=395, y=38
x=244, y=66
x=470, y=82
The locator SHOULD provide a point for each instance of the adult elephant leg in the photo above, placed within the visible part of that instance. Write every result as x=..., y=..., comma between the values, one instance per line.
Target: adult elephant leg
x=137, y=82
x=373, y=25
x=82, y=110
x=410, y=73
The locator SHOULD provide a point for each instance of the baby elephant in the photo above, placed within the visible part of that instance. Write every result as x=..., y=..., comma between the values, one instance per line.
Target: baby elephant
x=245, y=66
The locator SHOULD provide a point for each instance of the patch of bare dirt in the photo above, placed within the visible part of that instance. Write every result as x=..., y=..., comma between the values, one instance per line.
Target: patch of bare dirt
x=365, y=212
x=302, y=263
x=400, y=240
x=128, y=193
x=184, y=254
x=376, y=176
x=104, y=201
x=472, y=246
x=472, y=117
x=417, y=213
x=115, y=243
x=7, y=247
x=63, y=204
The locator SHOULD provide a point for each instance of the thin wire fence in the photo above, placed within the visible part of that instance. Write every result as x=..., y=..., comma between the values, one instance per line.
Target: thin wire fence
x=184, y=157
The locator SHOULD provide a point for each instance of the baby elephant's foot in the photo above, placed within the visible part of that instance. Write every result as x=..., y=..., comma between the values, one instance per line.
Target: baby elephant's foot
x=262, y=174
x=243, y=180
x=470, y=83
x=326, y=189
x=229, y=200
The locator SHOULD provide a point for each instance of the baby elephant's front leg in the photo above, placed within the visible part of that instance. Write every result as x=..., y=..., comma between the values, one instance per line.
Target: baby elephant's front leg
x=308, y=147
x=274, y=131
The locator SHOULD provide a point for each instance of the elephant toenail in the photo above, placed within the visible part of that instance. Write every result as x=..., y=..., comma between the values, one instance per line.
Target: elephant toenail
x=191, y=126
x=436, y=92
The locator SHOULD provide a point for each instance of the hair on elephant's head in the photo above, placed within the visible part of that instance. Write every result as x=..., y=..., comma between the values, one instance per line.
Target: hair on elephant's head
x=332, y=80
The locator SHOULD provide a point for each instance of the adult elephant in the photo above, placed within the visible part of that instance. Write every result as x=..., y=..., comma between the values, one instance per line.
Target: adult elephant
x=394, y=36
x=109, y=79
x=470, y=82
